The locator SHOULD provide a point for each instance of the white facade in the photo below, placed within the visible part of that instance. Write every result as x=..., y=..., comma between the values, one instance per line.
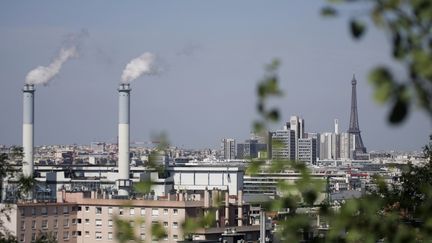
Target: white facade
x=199, y=178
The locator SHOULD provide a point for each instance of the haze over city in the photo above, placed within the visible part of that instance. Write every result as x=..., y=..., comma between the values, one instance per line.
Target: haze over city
x=211, y=56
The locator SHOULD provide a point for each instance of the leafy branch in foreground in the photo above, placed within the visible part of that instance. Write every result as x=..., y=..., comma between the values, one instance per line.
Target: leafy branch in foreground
x=407, y=24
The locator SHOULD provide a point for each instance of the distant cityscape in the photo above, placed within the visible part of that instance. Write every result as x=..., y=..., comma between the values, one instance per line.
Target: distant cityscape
x=82, y=189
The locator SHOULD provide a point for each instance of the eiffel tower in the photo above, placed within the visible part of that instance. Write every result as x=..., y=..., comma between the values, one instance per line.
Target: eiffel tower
x=354, y=128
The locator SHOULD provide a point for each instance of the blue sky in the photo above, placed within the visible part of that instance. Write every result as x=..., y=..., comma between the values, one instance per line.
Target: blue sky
x=213, y=54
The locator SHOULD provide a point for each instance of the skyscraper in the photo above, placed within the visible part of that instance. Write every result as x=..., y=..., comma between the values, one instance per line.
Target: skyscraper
x=228, y=148
x=297, y=125
x=282, y=144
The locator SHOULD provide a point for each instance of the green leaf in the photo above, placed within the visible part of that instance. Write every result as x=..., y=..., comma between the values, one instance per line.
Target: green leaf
x=328, y=11
x=273, y=115
x=399, y=111
x=143, y=186
x=124, y=230
x=383, y=83
x=158, y=231
x=357, y=28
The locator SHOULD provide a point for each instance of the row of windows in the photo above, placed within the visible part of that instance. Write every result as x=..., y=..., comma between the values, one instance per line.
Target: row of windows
x=98, y=223
x=66, y=235
x=44, y=223
x=99, y=235
x=44, y=210
x=53, y=235
x=121, y=211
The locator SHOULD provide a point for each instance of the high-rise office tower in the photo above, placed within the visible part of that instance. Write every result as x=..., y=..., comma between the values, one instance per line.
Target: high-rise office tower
x=297, y=125
x=282, y=144
x=307, y=150
x=336, y=126
x=249, y=149
x=228, y=148
x=354, y=128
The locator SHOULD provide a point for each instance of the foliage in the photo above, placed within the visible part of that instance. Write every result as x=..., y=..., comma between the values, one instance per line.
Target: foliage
x=46, y=237
x=407, y=24
x=26, y=185
x=389, y=214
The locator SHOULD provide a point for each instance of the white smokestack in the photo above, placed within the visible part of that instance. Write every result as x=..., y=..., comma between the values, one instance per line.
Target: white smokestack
x=28, y=133
x=144, y=64
x=43, y=74
x=123, y=140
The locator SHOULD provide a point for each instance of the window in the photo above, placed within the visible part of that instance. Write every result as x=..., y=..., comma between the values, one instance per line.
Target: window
x=33, y=236
x=110, y=210
x=132, y=211
x=132, y=223
x=22, y=211
x=87, y=221
x=79, y=221
x=110, y=223
x=44, y=224
x=110, y=235
x=155, y=211
x=55, y=211
x=98, y=222
x=143, y=225
x=22, y=225
x=44, y=211
x=142, y=211
x=175, y=210
x=55, y=223
x=87, y=233
x=22, y=239
x=175, y=225
x=98, y=210
x=87, y=208
x=34, y=224
x=33, y=211
x=65, y=235
x=55, y=235
x=98, y=235
x=74, y=221
x=165, y=238
x=120, y=211
x=74, y=233
x=65, y=209
x=175, y=237
x=142, y=236
x=165, y=224
x=165, y=211
x=66, y=222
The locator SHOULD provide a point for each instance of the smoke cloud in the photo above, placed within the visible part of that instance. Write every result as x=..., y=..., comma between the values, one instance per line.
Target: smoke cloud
x=144, y=64
x=44, y=74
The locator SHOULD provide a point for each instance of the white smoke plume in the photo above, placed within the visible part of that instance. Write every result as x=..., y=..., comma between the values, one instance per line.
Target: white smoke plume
x=144, y=64
x=43, y=74
x=71, y=45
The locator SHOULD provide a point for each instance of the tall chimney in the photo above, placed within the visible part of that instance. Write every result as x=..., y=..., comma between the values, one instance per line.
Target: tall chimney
x=123, y=182
x=28, y=133
x=240, y=208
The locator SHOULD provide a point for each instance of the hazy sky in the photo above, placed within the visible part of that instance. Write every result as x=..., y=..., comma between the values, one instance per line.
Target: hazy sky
x=213, y=53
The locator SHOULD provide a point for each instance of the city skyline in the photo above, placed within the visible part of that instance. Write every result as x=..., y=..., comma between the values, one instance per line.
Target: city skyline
x=207, y=91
